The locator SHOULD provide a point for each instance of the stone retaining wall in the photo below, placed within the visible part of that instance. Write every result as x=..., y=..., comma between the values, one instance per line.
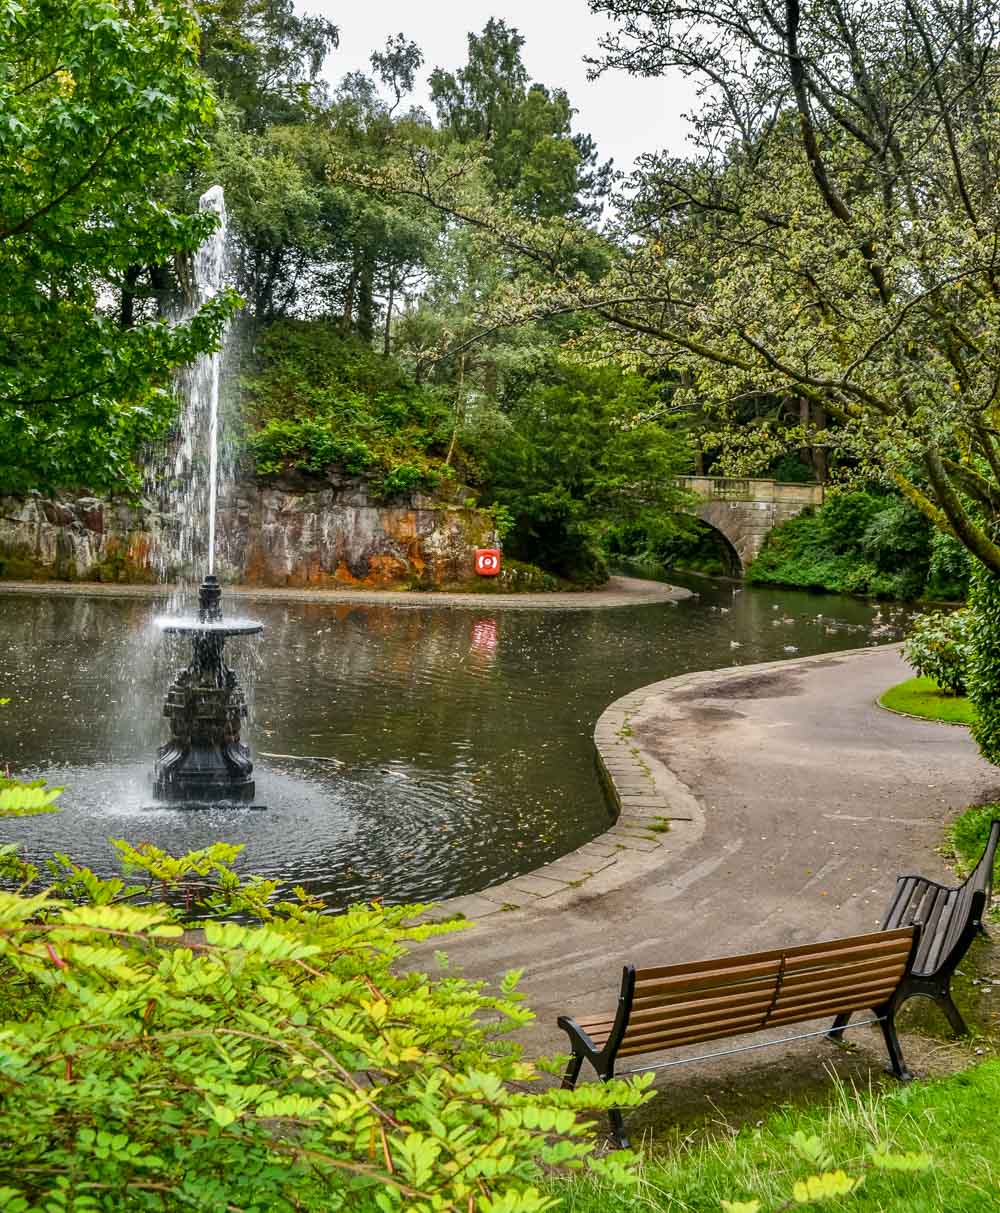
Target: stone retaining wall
x=270, y=534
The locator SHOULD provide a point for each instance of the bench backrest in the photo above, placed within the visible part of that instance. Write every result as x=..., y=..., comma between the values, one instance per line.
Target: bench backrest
x=686, y=1004
x=981, y=876
x=972, y=897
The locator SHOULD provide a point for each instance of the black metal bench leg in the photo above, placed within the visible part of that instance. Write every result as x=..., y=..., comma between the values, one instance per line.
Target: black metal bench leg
x=888, y=1025
x=618, y=1137
x=836, y=1032
x=618, y=1129
x=572, y=1072
x=952, y=1013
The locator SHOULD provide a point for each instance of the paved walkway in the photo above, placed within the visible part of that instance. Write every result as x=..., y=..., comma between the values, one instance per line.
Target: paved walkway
x=618, y=592
x=795, y=802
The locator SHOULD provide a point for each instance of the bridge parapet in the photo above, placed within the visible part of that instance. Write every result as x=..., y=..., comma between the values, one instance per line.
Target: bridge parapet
x=746, y=510
x=734, y=488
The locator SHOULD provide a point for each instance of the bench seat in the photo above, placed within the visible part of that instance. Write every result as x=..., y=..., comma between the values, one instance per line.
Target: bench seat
x=676, y=1005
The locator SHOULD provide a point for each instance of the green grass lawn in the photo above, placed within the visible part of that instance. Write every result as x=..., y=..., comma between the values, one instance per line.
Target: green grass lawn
x=953, y=1120
x=969, y=833
x=923, y=697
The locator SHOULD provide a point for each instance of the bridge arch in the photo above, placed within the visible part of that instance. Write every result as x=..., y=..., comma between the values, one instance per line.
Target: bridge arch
x=744, y=512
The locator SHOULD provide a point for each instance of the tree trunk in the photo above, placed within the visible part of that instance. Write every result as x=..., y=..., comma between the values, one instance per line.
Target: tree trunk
x=821, y=463
x=352, y=286
x=366, y=300
x=459, y=407
x=166, y=297
x=126, y=317
x=387, y=342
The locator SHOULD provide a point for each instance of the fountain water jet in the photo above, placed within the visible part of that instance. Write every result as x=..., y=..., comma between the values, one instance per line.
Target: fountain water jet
x=205, y=762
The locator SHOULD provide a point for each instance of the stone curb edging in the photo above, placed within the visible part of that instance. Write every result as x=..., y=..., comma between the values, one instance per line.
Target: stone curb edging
x=658, y=816
x=625, y=592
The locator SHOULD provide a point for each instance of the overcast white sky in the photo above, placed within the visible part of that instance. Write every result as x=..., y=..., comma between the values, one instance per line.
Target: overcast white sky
x=626, y=116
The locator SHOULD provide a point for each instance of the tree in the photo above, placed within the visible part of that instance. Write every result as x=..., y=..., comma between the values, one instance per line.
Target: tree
x=561, y=461
x=530, y=148
x=833, y=239
x=265, y=58
x=98, y=99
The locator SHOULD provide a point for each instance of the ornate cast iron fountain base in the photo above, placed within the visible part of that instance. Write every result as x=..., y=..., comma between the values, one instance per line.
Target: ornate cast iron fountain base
x=205, y=762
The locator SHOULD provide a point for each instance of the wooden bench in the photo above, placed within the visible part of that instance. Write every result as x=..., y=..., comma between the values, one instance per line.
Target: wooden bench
x=950, y=918
x=664, y=1008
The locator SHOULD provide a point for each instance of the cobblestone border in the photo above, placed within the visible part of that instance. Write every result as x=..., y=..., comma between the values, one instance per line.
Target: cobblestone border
x=658, y=816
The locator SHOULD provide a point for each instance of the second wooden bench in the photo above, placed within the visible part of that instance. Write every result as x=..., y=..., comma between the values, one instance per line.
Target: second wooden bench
x=687, y=1004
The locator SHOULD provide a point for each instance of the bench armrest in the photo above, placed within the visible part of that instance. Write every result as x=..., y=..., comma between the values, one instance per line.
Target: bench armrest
x=577, y=1034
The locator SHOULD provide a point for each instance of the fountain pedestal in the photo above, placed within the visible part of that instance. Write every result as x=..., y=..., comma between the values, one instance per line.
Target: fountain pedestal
x=205, y=762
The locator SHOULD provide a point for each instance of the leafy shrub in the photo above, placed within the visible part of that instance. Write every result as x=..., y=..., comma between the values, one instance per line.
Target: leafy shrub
x=310, y=445
x=845, y=517
x=938, y=647
x=408, y=478
x=319, y=400
x=983, y=674
x=857, y=543
x=698, y=548
x=281, y=1063
x=897, y=541
x=790, y=469
x=948, y=573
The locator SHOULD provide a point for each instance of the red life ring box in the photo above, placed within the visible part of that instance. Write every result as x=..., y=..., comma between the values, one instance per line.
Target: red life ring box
x=487, y=562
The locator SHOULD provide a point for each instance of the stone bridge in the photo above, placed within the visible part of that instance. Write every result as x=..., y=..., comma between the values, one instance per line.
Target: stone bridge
x=744, y=511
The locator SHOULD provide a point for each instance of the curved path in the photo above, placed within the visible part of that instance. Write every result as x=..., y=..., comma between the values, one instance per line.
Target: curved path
x=795, y=802
x=617, y=592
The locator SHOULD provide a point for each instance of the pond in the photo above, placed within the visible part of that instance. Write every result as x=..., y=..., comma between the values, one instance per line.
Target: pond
x=402, y=753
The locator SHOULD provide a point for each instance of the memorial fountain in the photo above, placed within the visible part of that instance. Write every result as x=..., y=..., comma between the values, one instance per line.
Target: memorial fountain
x=205, y=763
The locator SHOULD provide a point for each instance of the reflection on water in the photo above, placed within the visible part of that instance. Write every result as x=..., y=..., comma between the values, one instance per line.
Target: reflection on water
x=402, y=754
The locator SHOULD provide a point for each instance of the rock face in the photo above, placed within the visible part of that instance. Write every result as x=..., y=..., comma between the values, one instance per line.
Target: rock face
x=324, y=534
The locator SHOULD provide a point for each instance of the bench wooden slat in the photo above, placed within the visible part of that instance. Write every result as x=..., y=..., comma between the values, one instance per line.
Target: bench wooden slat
x=689, y=1017
x=960, y=917
x=720, y=1000
x=815, y=988
x=936, y=925
x=863, y=944
x=901, y=899
x=883, y=979
x=846, y=973
x=677, y=1039
x=865, y=994
x=711, y=973
x=682, y=991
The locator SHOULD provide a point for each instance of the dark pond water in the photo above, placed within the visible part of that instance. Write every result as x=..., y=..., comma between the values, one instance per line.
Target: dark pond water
x=462, y=739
